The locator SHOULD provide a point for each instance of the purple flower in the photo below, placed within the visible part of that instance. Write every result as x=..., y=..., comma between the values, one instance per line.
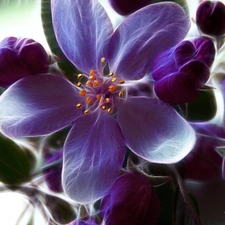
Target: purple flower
x=182, y=70
x=104, y=117
x=131, y=200
x=210, y=18
x=20, y=57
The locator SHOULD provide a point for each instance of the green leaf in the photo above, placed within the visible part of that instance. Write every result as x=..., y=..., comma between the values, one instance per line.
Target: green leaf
x=64, y=64
x=16, y=164
x=61, y=211
x=203, y=108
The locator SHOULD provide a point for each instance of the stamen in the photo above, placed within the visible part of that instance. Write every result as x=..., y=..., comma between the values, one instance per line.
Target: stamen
x=98, y=96
x=104, y=107
x=89, y=83
x=114, y=79
x=112, y=88
x=79, y=84
x=97, y=83
x=111, y=74
x=102, y=59
x=122, y=81
x=92, y=77
x=82, y=93
x=89, y=100
x=108, y=100
x=121, y=94
x=92, y=72
x=78, y=106
x=86, y=111
x=110, y=110
x=79, y=76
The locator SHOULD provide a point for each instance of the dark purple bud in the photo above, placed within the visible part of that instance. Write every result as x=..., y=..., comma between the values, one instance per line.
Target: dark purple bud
x=53, y=174
x=21, y=57
x=126, y=7
x=210, y=18
x=204, y=162
x=182, y=86
x=205, y=50
x=131, y=200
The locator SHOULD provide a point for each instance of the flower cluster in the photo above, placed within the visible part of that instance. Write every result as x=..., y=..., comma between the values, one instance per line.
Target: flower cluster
x=123, y=141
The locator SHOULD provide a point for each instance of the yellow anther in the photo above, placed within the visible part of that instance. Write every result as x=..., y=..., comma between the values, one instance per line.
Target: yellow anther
x=98, y=96
x=114, y=79
x=79, y=84
x=107, y=100
x=92, y=77
x=78, y=106
x=102, y=59
x=121, y=94
x=122, y=81
x=104, y=107
x=97, y=83
x=80, y=75
x=88, y=100
x=112, y=88
x=82, y=93
x=110, y=110
x=89, y=83
x=111, y=74
x=86, y=111
x=92, y=72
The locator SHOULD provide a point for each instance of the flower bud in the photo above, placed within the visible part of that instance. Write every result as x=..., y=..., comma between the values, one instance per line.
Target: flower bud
x=183, y=70
x=53, y=175
x=21, y=57
x=204, y=162
x=126, y=7
x=210, y=18
x=131, y=200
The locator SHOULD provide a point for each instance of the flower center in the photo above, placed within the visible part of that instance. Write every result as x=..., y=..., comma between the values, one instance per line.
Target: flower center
x=100, y=91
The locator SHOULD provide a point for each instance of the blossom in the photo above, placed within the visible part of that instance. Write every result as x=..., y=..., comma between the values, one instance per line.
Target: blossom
x=183, y=70
x=104, y=117
x=20, y=57
x=131, y=200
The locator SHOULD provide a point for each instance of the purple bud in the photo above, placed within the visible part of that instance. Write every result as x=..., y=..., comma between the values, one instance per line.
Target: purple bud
x=205, y=50
x=204, y=162
x=53, y=175
x=182, y=70
x=210, y=18
x=131, y=200
x=21, y=57
x=126, y=7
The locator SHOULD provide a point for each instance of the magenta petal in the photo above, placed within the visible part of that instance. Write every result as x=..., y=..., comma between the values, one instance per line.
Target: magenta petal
x=143, y=35
x=38, y=105
x=154, y=130
x=82, y=29
x=93, y=156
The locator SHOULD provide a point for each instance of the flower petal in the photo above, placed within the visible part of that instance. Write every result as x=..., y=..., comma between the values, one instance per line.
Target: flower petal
x=93, y=156
x=37, y=105
x=82, y=29
x=143, y=35
x=154, y=130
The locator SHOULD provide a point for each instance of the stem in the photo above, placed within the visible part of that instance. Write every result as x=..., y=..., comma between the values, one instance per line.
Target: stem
x=185, y=195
